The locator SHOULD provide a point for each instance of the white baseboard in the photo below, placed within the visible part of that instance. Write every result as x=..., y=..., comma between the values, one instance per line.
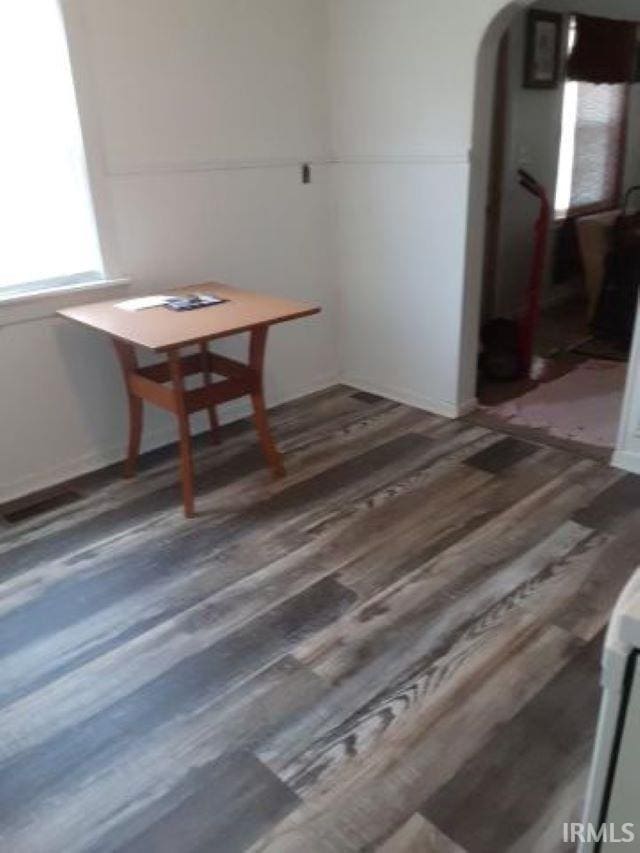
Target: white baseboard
x=80, y=465
x=153, y=439
x=411, y=398
x=626, y=461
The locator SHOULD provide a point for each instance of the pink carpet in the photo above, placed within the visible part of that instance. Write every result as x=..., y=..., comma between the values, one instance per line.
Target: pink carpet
x=583, y=405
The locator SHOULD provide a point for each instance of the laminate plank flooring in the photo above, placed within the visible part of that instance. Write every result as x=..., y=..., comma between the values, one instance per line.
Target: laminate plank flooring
x=547, y=760
x=394, y=648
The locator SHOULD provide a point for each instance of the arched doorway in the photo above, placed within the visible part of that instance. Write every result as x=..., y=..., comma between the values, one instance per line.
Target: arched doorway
x=627, y=448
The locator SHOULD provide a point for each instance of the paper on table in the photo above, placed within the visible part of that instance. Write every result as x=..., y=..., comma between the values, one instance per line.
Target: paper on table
x=141, y=302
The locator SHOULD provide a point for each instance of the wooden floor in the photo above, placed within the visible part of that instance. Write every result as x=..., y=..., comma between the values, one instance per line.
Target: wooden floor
x=396, y=648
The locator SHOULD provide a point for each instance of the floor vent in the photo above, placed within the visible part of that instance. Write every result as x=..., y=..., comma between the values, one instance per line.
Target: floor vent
x=366, y=397
x=24, y=510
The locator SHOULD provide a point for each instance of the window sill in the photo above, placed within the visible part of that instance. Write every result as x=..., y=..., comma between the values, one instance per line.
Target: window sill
x=38, y=304
x=578, y=212
x=16, y=296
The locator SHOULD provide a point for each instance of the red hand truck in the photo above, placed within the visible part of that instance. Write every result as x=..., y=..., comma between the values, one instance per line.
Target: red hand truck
x=529, y=321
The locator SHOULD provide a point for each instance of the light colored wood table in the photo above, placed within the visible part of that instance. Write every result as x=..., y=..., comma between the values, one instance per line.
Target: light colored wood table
x=168, y=332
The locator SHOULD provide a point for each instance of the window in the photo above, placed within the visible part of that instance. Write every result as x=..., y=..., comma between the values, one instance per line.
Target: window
x=592, y=144
x=46, y=217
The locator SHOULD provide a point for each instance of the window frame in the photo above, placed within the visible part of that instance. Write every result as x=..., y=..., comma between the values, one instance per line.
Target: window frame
x=78, y=47
x=614, y=202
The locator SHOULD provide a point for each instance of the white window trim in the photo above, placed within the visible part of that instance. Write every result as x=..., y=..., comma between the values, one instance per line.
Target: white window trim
x=42, y=305
x=43, y=287
x=31, y=292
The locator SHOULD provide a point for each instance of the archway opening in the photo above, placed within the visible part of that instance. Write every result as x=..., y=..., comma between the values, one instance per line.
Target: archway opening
x=575, y=139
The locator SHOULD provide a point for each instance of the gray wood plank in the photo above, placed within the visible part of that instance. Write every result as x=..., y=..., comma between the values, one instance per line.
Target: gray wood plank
x=138, y=772
x=223, y=806
x=159, y=558
x=417, y=835
x=472, y=510
x=502, y=455
x=419, y=665
x=612, y=505
x=366, y=397
x=356, y=807
x=45, y=743
x=500, y=792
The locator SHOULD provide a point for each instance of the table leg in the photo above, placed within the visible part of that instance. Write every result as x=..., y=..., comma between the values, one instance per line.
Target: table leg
x=256, y=362
x=186, y=460
x=129, y=364
x=206, y=374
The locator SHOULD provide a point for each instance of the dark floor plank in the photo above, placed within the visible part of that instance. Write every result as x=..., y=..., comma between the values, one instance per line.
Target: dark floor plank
x=526, y=762
x=355, y=809
x=587, y=589
x=366, y=397
x=500, y=456
x=134, y=774
x=417, y=835
x=86, y=739
x=223, y=806
x=473, y=510
x=612, y=505
x=27, y=509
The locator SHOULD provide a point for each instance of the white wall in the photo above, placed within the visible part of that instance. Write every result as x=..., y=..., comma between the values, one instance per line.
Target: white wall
x=403, y=76
x=198, y=114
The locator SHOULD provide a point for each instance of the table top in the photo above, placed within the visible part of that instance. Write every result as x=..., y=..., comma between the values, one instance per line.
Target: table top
x=161, y=329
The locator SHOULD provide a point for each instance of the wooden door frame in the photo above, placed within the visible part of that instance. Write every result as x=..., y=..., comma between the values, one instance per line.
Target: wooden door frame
x=497, y=155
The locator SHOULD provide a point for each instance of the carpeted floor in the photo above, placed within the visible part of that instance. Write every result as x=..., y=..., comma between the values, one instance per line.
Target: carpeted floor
x=582, y=405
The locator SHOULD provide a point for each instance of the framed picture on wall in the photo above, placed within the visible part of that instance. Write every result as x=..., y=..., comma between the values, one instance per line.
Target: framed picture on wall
x=543, y=49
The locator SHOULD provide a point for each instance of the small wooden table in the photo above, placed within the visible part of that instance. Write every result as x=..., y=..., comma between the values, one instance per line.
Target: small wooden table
x=164, y=331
